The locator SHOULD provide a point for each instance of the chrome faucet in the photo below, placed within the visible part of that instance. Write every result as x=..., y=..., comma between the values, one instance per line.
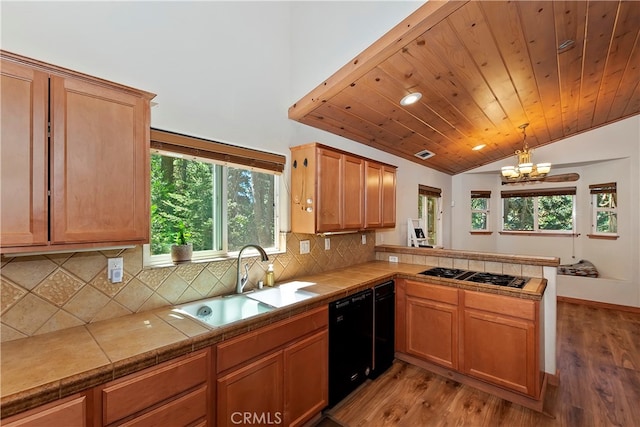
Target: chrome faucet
x=242, y=280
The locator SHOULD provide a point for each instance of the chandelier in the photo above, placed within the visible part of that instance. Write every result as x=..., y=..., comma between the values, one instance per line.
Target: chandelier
x=525, y=169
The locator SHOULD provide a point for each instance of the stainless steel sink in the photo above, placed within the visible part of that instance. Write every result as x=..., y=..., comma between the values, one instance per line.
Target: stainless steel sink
x=220, y=311
x=283, y=295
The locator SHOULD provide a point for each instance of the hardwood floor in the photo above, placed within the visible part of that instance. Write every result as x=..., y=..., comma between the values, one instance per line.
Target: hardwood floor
x=599, y=367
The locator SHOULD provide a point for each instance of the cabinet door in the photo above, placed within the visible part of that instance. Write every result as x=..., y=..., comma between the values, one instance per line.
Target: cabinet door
x=353, y=193
x=432, y=331
x=388, y=196
x=373, y=195
x=306, y=376
x=252, y=394
x=69, y=412
x=501, y=350
x=99, y=164
x=23, y=156
x=329, y=182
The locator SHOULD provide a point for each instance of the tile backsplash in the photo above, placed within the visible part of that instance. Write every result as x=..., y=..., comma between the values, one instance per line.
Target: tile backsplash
x=44, y=293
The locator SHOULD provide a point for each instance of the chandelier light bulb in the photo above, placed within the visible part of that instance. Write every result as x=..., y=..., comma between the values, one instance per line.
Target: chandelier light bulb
x=543, y=168
x=526, y=168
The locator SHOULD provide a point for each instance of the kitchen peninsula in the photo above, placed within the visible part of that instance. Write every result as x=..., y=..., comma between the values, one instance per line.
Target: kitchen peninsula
x=115, y=348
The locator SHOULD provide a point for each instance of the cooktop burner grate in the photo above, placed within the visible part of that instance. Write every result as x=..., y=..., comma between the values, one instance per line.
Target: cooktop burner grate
x=498, y=279
x=477, y=277
x=448, y=273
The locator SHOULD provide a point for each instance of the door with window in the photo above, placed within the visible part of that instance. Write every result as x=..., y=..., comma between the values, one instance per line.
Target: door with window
x=429, y=213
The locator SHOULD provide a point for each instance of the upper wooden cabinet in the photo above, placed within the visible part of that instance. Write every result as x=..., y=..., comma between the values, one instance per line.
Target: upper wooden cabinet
x=332, y=190
x=75, y=159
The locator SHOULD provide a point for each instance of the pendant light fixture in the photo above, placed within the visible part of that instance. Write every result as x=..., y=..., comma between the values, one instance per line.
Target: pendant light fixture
x=525, y=168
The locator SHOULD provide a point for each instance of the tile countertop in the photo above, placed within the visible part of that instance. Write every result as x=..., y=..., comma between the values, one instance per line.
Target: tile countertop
x=43, y=368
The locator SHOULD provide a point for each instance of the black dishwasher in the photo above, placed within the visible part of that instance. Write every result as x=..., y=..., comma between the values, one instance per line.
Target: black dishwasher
x=350, y=343
x=383, y=328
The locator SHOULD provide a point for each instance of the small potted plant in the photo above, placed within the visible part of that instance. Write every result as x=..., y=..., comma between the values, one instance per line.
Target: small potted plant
x=181, y=251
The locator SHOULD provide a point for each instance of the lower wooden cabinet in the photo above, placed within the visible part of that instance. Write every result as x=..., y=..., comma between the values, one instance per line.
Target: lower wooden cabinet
x=490, y=337
x=276, y=375
x=501, y=341
x=69, y=412
x=432, y=323
x=306, y=377
x=252, y=394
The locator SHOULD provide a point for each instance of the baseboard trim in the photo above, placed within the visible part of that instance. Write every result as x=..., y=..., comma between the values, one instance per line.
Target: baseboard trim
x=598, y=304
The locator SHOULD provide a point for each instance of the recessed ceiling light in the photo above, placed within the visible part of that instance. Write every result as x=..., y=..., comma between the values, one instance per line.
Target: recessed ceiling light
x=411, y=98
x=479, y=147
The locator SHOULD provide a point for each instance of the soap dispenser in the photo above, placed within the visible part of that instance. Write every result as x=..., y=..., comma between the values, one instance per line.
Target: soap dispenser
x=270, y=279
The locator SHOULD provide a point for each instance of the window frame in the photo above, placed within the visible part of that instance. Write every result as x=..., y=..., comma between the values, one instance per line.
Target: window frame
x=219, y=154
x=481, y=194
x=595, y=190
x=535, y=195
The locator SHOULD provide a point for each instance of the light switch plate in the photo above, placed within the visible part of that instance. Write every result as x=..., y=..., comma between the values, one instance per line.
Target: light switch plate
x=305, y=247
x=393, y=258
x=327, y=243
x=364, y=239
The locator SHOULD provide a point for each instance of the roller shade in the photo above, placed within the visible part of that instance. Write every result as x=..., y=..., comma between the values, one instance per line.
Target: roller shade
x=609, y=187
x=425, y=190
x=479, y=194
x=204, y=148
x=560, y=191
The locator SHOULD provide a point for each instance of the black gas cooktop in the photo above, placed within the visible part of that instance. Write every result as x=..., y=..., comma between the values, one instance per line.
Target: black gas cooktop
x=478, y=277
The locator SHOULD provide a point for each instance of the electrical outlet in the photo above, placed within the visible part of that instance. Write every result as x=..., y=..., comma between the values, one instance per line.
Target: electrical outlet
x=115, y=269
x=327, y=243
x=393, y=258
x=364, y=239
x=305, y=247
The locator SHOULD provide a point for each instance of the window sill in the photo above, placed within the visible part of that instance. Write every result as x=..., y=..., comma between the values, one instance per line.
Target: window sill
x=481, y=232
x=539, y=234
x=206, y=260
x=603, y=236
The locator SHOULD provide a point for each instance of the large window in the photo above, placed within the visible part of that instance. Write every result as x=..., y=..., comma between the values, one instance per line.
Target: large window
x=604, y=202
x=480, y=210
x=429, y=213
x=543, y=211
x=219, y=207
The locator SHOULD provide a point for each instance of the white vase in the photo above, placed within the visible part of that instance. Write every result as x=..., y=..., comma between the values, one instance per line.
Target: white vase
x=181, y=253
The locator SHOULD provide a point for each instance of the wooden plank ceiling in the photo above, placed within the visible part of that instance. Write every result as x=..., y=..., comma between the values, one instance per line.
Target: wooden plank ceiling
x=484, y=69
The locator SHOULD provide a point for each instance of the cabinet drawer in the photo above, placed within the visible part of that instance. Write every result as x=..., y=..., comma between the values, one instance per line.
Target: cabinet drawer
x=181, y=412
x=69, y=412
x=247, y=346
x=137, y=392
x=510, y=306
x=433, y=292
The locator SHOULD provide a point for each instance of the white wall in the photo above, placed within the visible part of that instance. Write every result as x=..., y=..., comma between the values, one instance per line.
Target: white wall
x=606, y=154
